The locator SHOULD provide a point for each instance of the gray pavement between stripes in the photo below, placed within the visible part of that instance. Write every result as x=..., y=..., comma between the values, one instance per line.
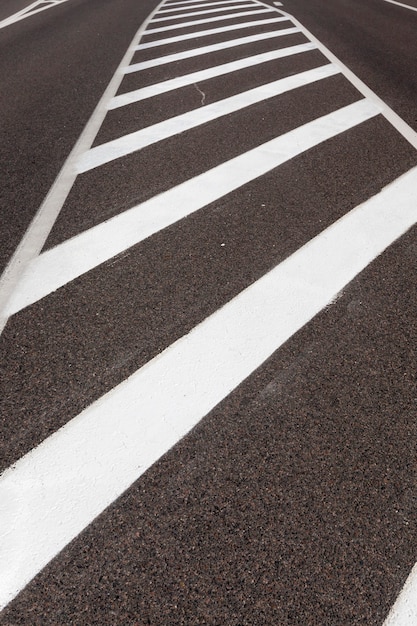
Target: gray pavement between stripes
x=293, y=501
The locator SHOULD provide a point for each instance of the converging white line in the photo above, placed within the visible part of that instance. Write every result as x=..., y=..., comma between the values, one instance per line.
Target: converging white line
x=60, y=487
x=56, y=267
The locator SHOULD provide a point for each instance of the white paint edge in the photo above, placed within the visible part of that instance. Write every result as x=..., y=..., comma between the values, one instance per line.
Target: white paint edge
x=393, y=118
x=218, y=18
x=211, y=72
x=202, y=50
x=404, y=611
x=209, y=31
x=400, y=4
x=28, y=12
x=202, y=5
x=181, y=16
x=40, y=227
x=50, y=495
x=58, y=266
x=127, y=144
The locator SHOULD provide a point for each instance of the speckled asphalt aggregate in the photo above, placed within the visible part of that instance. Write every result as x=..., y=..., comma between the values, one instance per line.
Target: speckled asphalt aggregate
x=293, y=503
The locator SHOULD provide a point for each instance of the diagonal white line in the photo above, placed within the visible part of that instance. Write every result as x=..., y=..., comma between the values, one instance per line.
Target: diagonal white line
x=210, y=31
x=99, y=155
x=192, y=13
x=202, y=5
x=223, y=45
x=56, y=267
x=187, y=2
x=211, y=72
x=218, y=18
x=36, y=7
x=60, y=487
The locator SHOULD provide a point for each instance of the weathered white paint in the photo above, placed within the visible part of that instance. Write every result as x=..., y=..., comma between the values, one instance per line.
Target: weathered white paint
x=56, y=267
x=50, y=495
x=200, y=5
x=218, y=18
x=404, y=611
x=192, y=13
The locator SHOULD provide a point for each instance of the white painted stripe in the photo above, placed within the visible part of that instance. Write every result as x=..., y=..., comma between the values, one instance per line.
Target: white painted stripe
x=210, y=31
x=56, y=267
x=278, y=4
x=218, y=18
x=400, y=4
x=223, y=45
x=99, y=155
x=187, y=2
x=32, y=9
x=51, y=494
x=202, y=5
x=404, y=611
x=211, y=72
x=395, y=120
x=186, y=15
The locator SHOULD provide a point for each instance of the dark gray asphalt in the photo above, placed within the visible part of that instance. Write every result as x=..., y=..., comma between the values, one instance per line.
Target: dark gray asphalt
x=293, y=502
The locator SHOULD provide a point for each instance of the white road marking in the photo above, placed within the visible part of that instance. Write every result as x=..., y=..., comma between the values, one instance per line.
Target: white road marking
x=210, y=31
x=122, y=146
x=395, y=120
x=202, y=5
x=211, y=72
x=218, y=18
x=223, y=45
x=60, y=487
x=404, y=611
x=192, y=13
x=400, y=4
x=32, y=9
x=278, y=4
x=56, y=267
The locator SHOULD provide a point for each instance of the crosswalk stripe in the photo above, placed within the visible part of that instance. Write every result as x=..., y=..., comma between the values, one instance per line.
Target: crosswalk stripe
x=104, y=153
x=210, y=31
x=218, y=18
x=201, y=75
x=223, y=45
x=187, y=2
x=56, y=267
x=201, y=5
x=142, y=418
x=186, y=15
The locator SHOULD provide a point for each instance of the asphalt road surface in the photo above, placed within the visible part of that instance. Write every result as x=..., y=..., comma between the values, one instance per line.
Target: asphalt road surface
x=208, y=403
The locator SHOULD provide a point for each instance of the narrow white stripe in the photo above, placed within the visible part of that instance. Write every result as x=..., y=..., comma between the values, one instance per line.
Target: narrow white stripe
x=218, y=18
x=223, y=45
x=187, y=2
x=203, y=5
x=50, y=495
x=28, y=12
x=400, y=4
x=210, y=31
x=56, y=267
x=173, y=126
x=404, y=611
x=211, y=72
x=185, y=15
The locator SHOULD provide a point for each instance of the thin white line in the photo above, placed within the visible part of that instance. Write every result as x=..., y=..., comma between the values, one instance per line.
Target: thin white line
x=173, y=4
x=51, y=494
x=210, y=31
x=223, y=45
x=404, y=611
x=185, y=15
x=203, y=5
x=211, y=72
x=400, y=4
x=28, y=12
x=56, y=267
x=122, y=146
x=218, y=18
x=393, y=118
x=38, y=230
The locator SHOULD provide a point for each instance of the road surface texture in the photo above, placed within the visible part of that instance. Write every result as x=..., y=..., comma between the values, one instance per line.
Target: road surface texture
x=208, y=404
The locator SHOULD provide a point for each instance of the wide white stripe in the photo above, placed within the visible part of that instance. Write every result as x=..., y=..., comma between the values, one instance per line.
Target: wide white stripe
x=203, y=5
x=404, y=611
x=223, y=45
x=218, y=18
x=56, y=267
x=50, y=495
x=211, y=72
x=210, y=31
x=185, y=15
x=173, y=126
